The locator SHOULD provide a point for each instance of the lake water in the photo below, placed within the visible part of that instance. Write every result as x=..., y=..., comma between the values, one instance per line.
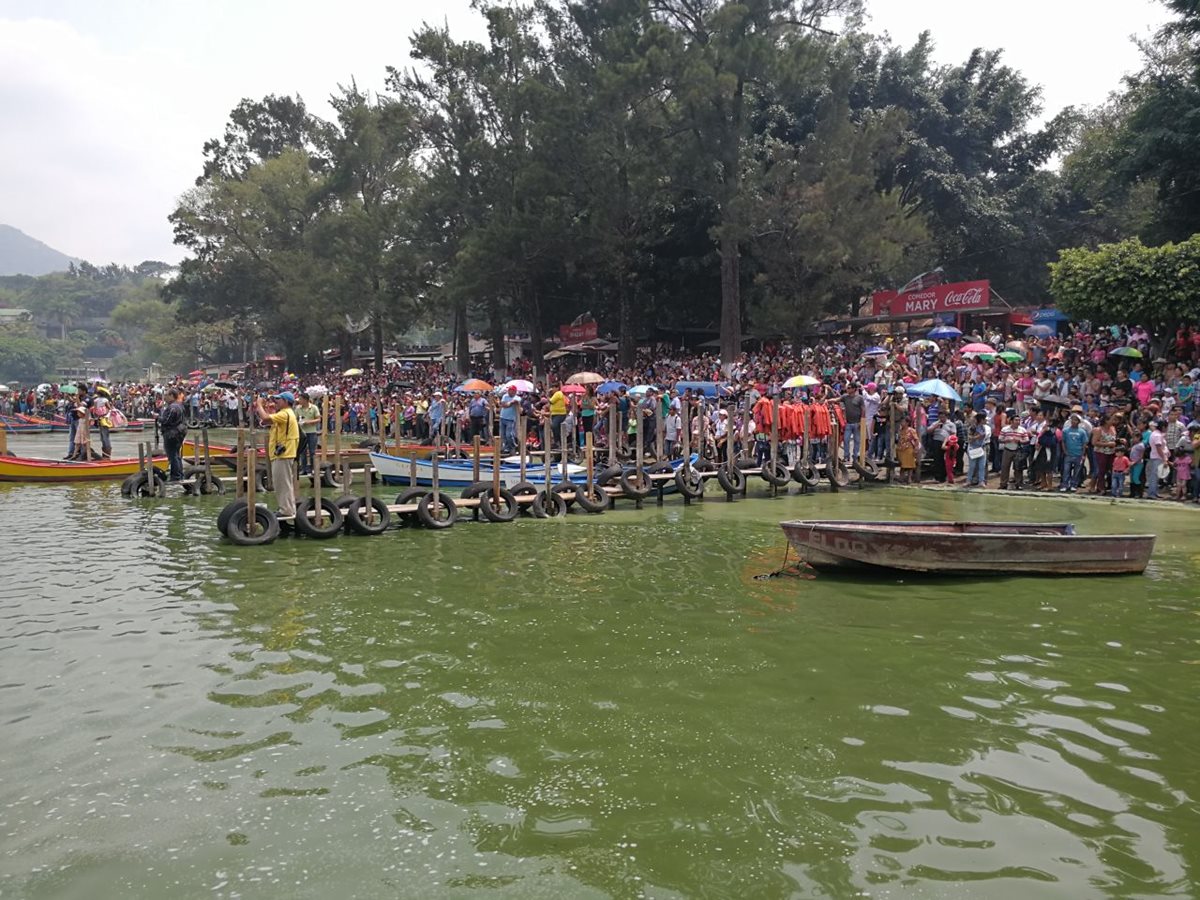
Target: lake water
x=605, y=706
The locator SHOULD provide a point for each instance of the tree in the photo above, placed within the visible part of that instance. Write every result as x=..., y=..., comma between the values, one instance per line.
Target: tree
x=729, y=55
x=1158, y=287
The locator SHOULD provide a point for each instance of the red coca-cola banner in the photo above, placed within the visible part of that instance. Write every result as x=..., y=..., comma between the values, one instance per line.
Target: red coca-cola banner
x=961, y=297
x=573, y=334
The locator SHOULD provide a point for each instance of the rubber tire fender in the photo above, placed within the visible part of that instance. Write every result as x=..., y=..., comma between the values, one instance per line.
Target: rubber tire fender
x=142, y=488
x=227, y=511
x=404, y=498
x=356, y=522
x=427, y=516
x=566, y=490
x=595, y=502
x=746, y=462
x=659, y=468
x=705, y=465
x=631, y=488
x=804, y=472
x=776, y=474
x=332, y=524
x=837, y=472
x=475, y=488
x=504, y=510
x=264, y=519
x=607, y=476
x=523, y=487
x=208, y=484
x=127, y=484
x=689, y=483
x=549, y=505
x=327, y=479
x=731, y=479
x=868, y=470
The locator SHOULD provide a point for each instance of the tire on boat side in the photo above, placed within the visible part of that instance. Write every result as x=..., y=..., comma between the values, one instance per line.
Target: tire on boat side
x=356, y=520
x=265, y=531
x=306, y=524
x=429, y=512
x=503, y=510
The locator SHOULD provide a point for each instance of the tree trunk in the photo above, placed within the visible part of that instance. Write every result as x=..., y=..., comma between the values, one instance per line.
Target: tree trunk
x=731, y=303
x=536, y=338
x=377, y=338
x=627, y=340
x=496, y=331
x=346, y=346
x=462, y=339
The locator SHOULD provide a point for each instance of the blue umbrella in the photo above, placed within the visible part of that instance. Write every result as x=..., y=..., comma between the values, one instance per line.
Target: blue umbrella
x=945, y=331
x=611, y=387
x=935, y=387
x=1039, y=331
x=709, y=389
x=875, y=351
x=640, y=389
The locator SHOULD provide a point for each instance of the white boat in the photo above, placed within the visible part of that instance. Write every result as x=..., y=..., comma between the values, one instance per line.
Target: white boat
x=459, y=473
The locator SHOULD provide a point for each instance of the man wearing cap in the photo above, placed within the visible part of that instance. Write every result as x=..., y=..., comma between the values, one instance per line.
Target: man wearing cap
x=510, y=405
x=1157, y=455
x=1075, y=442
x=436, y=414
x=282, y=445
x=172, y=425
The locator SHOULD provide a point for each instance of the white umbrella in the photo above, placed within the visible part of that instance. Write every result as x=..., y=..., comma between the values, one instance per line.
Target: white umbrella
x=522, y=386
x=4, y=388
x=317, y=390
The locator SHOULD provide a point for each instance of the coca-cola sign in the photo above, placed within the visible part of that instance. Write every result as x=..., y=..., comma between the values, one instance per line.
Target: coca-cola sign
x=585, y=331
x=961, y=297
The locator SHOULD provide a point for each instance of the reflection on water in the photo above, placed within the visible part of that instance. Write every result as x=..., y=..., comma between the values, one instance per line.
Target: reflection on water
x=605, y=706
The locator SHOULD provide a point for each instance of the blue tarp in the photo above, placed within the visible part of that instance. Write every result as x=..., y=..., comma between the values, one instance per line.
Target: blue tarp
x=710, y=389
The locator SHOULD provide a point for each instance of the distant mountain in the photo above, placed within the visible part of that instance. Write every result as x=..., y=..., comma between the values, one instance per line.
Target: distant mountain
x=22, y=255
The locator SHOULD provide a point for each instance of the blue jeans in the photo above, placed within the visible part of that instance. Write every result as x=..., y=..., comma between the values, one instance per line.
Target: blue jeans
x=977, y=470
x=1072, y=465
x=308, y=450
x=1152, y=478
x=508, y=435
x=851, y=439
x=1118, y=483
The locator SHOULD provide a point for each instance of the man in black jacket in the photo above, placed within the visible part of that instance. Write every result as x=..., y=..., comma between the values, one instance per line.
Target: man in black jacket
x=173, y=425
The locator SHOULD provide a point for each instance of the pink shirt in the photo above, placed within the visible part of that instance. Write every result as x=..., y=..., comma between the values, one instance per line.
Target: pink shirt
x=1144, y=390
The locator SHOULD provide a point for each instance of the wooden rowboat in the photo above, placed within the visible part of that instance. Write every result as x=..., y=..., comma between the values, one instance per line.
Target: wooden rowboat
x=966, y=548
x=31, y=469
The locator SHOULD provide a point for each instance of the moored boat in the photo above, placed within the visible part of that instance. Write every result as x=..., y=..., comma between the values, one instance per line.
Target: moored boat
x=967, y=548
x=459, y=473
x=32, y=469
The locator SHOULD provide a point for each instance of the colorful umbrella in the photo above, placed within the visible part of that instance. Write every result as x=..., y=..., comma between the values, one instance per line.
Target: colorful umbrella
x=945, y=331
x=799, y=381
x=573, y=389
x=522, y=386
x=612, y=387
x=935, y=387
x=586, y=378
x=472, y=386
x=1011, y=356
x=68, y=389
x=196, y=373
x=1132, y=352
x=1018, y=346
x=350, y=372
x=976, y=349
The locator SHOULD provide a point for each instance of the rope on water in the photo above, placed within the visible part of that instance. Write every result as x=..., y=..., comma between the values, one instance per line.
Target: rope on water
x=795, y=571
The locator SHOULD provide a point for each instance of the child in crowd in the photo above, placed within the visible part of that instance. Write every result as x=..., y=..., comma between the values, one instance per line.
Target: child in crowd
x=1182, y=461
x=1120, y=468
x=906, y=449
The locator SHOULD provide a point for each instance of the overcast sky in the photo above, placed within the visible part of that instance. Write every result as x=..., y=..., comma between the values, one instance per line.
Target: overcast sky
x=105, y=104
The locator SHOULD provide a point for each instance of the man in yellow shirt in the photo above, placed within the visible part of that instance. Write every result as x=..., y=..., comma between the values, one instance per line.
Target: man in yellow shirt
x=282, y=444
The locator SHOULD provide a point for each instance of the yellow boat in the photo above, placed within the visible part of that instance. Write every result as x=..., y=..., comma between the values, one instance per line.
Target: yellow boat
x=26, y=469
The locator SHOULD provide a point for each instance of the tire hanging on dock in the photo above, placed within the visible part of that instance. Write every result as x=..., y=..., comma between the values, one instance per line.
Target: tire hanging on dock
x=632, y=486
x=264, y=531
x=776, y=473
x=306, y=518
x=549, y=505
x=731, y=478
x=804, y=472
x=429, y=512
x=356, y=517
x=689, y=483
x=503, y=510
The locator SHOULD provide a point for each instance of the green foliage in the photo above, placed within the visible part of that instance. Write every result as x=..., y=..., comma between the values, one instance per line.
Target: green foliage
x=1130, y=282
x=24, y=357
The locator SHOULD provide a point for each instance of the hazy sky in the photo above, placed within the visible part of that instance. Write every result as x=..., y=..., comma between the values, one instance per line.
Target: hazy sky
x=105, y=104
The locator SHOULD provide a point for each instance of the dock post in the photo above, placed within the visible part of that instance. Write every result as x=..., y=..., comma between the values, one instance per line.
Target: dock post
x=495, y=467
x=685, y=423
x=251, y=489
x=639, y=463
x=729, y=443
x=774, y=440
x=475, y=459
x=367, y=470
x=207, y=461
x=239, y=464
x=337, y=440
x=548, y=430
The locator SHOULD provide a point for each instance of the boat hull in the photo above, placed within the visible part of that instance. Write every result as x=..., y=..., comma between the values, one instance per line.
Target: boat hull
x=30, y=469
x=458, y=473
x=963, y=548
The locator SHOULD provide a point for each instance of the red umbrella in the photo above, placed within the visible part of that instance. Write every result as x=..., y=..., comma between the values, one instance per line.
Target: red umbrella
x=196, y=373
x=573, y=389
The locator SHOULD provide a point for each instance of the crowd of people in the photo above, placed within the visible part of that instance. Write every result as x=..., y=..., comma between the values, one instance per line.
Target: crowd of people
x=1110, y=410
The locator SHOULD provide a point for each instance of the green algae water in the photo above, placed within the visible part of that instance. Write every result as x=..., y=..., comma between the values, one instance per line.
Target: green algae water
x=605, y=706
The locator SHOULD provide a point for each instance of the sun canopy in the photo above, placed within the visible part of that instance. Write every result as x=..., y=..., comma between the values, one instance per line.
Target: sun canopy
x=710, y=389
